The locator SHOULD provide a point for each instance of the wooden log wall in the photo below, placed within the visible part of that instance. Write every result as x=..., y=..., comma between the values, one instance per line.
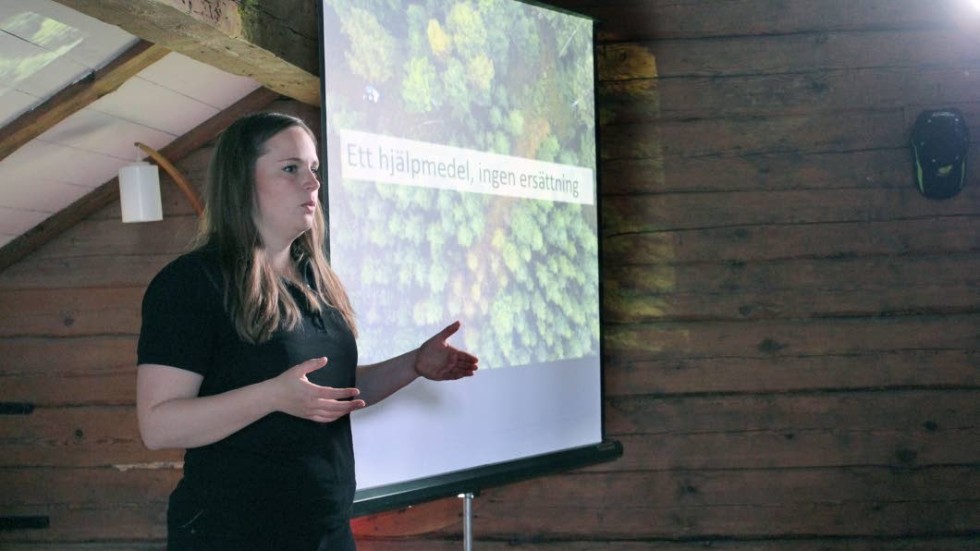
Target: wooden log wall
x=791, y=330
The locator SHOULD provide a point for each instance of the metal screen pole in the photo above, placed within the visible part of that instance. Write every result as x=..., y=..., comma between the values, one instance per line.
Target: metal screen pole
x=467, y=521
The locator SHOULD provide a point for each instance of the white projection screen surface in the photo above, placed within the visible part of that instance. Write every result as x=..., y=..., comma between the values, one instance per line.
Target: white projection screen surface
x=459, y=145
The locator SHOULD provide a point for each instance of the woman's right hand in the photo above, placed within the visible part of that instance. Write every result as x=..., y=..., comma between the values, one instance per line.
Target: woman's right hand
x=299, y=397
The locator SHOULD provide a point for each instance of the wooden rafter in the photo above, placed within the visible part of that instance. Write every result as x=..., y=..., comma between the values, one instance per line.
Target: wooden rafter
x=108, y=192
x=77, y=96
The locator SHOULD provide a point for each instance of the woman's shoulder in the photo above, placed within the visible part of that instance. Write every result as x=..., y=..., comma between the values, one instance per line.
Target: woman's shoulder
x=190, y=270
x=203, y=257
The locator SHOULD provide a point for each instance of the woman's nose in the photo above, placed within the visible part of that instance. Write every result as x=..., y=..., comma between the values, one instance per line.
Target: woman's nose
x=312, y=180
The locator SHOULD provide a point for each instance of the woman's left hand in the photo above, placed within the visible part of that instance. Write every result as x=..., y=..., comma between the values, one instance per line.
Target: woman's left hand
x=438, y=360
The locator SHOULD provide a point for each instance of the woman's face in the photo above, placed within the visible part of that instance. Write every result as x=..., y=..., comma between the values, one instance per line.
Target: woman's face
x=286, y=187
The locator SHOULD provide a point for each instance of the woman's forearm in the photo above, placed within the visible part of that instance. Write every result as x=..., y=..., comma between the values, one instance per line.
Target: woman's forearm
x=435, y=359
x=189, y=421
x=378, y=381
x=172, y=415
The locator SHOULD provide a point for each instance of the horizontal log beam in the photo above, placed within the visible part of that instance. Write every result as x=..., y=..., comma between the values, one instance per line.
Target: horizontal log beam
x=275, y=43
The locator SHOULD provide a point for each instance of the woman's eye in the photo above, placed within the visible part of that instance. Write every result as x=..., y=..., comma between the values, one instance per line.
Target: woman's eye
x=290, y=168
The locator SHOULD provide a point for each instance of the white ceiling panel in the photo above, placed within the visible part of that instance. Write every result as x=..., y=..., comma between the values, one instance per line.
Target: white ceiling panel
x=52, y=77
x=148, y=104
x=14, y=222
x=39, y=195
x=40, y=31
x=100, y=41
x=13, y=103
x=22, y=66
x=97, y=132
x=41, y=162
x=198, y=80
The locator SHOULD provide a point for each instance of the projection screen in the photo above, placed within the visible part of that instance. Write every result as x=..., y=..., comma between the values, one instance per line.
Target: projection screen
x=459, y=142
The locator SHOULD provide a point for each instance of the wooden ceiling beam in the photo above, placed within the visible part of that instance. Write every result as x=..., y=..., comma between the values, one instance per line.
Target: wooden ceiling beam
x=77, y=96
x=108, y=192
x=275, y=42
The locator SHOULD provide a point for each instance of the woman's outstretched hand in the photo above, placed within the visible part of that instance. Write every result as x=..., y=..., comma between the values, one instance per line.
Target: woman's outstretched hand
x=299, y=397
x=440, y=361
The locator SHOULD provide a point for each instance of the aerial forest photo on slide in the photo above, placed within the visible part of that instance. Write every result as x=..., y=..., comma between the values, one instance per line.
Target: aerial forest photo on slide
x=508, y=81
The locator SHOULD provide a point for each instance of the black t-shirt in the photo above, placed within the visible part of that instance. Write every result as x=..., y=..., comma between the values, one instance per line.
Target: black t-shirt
x=280, y=460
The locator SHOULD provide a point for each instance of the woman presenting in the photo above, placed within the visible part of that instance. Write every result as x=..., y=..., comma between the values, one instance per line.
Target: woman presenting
x=247, y=357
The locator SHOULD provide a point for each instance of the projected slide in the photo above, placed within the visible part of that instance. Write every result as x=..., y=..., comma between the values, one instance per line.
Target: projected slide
x=461, y=160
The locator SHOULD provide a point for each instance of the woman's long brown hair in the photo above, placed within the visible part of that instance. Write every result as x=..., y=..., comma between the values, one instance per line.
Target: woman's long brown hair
x=257, y=297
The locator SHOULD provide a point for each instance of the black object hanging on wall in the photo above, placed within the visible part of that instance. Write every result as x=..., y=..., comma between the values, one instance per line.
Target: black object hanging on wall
x=940, y=140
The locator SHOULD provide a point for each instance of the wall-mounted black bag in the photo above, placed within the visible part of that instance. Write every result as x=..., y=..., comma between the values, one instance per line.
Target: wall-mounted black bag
x=940, y=140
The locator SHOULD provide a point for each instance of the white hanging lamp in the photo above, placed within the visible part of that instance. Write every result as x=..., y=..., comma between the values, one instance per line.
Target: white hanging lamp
x=139, y=193
x=139, y=188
